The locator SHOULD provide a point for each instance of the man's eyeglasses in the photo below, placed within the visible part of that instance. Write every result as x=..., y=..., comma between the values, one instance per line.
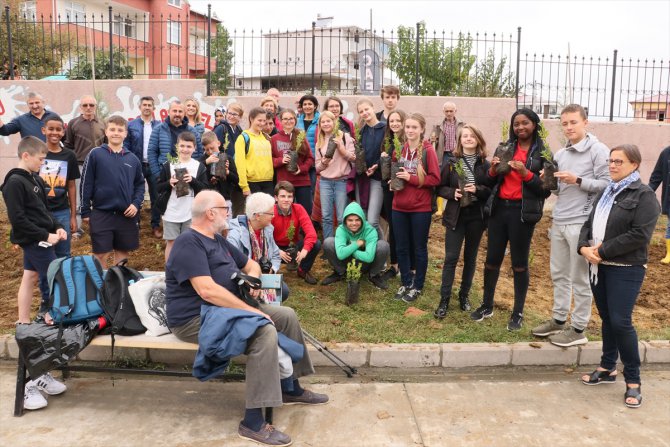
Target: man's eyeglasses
x=227, y=208
x=88, y=105
x=615, y=162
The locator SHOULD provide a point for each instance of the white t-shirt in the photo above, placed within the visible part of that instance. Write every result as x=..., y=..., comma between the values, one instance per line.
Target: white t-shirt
x=147, y=136
x=179, y=209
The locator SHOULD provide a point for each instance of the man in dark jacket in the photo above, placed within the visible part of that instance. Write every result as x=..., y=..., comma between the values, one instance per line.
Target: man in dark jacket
x=137, y=142
x=29, y=124
x=661, y=176
x=164, y=138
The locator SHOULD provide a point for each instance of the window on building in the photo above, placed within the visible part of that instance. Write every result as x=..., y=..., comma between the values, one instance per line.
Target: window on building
x=176, y=3
x=28, y=11
x=652, y=114
x=74, y=11
x=124, y=26
x=174, y=32
x=197, y=44
x=173, y=72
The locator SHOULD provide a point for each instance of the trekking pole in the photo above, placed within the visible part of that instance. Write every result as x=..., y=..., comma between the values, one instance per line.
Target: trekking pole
x=337, y=361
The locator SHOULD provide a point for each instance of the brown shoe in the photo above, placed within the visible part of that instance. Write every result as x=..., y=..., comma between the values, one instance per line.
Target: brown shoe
x=309, y=279
x=158, y=233
x=267, y=435
x=307, y=398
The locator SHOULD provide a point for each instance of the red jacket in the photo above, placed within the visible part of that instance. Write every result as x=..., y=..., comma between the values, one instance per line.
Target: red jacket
x=414, y=198
x=301, y=221
x=282, y=143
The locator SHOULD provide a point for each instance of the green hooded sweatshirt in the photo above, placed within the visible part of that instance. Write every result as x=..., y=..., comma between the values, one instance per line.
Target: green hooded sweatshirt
x=345, y=240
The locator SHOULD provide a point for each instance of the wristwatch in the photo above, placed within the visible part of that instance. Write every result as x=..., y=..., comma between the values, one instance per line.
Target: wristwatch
x=579, y=181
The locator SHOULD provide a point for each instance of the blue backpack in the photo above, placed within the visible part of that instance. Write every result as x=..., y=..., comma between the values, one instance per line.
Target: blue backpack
x=74, y=289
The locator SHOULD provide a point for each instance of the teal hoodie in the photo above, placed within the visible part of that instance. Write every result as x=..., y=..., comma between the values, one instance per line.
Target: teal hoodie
x=345, y=240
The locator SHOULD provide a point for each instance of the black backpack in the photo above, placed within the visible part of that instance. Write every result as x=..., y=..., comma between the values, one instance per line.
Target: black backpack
x=116, y=301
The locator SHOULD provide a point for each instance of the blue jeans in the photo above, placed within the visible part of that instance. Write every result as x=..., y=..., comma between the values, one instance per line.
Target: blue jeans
x=333, y=192
x=153, y=195
x=414, y=227
x=63, y=247
x=615, y=295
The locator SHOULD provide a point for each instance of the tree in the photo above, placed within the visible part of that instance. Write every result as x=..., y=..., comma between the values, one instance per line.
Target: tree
x=490, y=80
x=442, y=69
x=37, y=49
x=223, y=55
x=83, y=69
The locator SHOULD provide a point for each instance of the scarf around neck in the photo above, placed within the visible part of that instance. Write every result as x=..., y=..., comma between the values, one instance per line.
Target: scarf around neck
x=602, y=212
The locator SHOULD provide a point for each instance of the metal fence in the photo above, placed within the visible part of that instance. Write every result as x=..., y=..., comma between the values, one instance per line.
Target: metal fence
x=327, y=60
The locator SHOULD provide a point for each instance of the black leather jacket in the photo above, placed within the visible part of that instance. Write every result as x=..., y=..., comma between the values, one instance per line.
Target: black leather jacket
x=630, y=224
x=533, y=194
x=449, y=184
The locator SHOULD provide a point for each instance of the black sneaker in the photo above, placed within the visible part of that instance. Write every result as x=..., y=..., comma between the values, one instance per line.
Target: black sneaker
x=464, y=303
x=390, y=273
x=332, y=278
x=515, y=322
x=481, y=312
x=402, y=291
x=412, y=295
x=379, y=281
x=441, y=310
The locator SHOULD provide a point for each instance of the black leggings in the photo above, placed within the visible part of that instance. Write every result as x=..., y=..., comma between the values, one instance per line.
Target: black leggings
x=506, y=226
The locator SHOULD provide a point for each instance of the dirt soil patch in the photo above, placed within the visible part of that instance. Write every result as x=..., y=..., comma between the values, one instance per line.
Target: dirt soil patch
x=652, y=311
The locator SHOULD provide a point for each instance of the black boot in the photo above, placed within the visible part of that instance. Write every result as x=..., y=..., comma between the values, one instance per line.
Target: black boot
x=441, y=310
x=464, y=302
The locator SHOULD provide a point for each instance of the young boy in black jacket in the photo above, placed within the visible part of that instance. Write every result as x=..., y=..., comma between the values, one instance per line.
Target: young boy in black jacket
x=36, y=231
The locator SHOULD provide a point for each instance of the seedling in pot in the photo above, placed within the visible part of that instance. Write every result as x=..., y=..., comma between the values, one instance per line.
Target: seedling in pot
x=397, y=184
x=549, y=180
x=353, y=281
x=385, y=161
x=360, y=164
x=504, y=150
x=466, y=197
x=181, y=187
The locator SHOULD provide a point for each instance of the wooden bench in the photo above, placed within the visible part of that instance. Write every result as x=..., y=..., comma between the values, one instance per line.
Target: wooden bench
x=168, y=341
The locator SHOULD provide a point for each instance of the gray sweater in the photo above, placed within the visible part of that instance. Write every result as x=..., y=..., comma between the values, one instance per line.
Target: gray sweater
x=588, y=160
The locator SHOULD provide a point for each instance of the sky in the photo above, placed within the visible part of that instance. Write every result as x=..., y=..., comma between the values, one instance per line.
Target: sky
x=637, y=29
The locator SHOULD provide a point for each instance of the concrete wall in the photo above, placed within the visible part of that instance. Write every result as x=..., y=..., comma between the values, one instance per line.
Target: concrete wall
x=121, y=97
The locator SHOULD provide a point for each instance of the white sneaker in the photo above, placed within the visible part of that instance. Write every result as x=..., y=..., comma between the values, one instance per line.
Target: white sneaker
x=33, y=399
x=48, y=384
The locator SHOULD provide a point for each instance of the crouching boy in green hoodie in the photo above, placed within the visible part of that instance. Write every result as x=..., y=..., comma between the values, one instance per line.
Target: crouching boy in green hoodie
x=356, y=238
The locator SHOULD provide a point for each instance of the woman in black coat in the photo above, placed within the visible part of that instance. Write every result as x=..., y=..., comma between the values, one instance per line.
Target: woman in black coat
x=614, y=241
x=467, y=169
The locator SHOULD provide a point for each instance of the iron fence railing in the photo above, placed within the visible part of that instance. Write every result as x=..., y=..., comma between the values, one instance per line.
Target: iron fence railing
x=330, y=60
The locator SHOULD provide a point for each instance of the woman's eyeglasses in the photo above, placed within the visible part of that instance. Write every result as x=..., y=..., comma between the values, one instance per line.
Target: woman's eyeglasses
x=614, y=161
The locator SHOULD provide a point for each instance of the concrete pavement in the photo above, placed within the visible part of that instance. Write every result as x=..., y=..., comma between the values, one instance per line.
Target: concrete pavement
x=497, y=406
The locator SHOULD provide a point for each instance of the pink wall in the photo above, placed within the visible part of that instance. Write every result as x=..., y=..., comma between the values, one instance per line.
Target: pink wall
x=122, y=97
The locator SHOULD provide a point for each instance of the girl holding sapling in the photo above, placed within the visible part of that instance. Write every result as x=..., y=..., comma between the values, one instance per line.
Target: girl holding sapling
x=463, y=185
x=333, y=170
x=369, y=192
x=292, y=158
x=394, y=137
x=514, y=207
x=412, y=205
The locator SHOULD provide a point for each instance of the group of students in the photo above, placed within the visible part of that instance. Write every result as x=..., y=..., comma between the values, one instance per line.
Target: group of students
x=278, y=203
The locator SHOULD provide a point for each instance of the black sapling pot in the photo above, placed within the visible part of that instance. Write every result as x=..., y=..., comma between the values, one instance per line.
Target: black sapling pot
x=292, y=266
x=331, y=148
x=397, y=184
x=505, y=153
x=181, y=188
x=292, y=165
x=466, y=197
x=353, y=289
x=361, y=166
x=549, y=181
x=219, y=168
x=385, y=167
